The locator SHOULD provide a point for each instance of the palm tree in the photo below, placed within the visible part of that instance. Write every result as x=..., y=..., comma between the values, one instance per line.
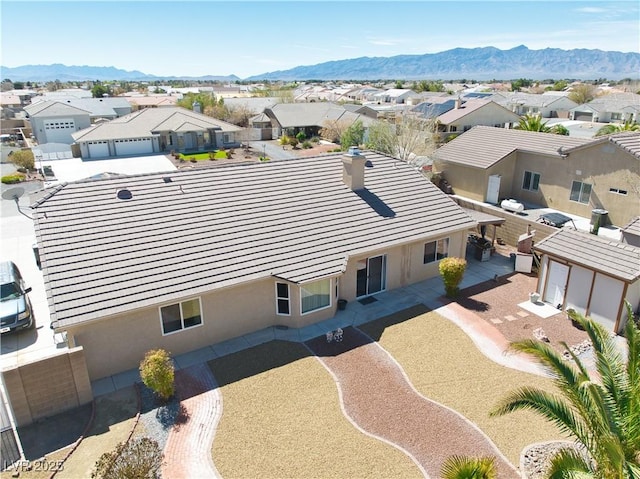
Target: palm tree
x=618, y=128
x=462, y=467
x=530, y=122
x=602, y=413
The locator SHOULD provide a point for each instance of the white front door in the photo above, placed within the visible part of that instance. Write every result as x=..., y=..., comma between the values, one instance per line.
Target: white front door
x=556, y=284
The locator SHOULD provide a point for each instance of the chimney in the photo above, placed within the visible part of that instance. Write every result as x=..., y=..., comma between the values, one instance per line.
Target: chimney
x=196, y=107
x=458, y=103
x=353, y=169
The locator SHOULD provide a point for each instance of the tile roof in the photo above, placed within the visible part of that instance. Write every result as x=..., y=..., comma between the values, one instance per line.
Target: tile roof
x=632, y=227
x=629, y=141
x=149, y=122
x=469, y=107
x=484, y=146
x=53, y=108
x=291, y=115
x=201, y=230
x=616, y=259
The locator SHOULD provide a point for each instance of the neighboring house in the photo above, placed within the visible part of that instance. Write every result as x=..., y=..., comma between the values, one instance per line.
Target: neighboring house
x=547, y=106
x=574, y=175
x=395, y=96
x=186, y=259
x=434, y=107
x=361, y=110
x=156, y=130
x=464, y=116
x=310, y=118
x=611, y=108
x=591, y=275
x=54, y=121
x=152, y=101
x=630, y=233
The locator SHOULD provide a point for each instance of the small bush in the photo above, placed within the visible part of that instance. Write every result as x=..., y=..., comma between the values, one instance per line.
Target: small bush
x=284, y=140
x=301, y=137
x=315, y=139
x=138, y=458
x=11, y=179
x=264, y=158
x=293, y=142
x=193, y=160
x=306, y=145
x=452, y=272
x=157, y=373
x=212, y=155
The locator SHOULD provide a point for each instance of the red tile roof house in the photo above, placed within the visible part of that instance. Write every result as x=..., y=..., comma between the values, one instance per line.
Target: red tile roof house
x=190, y=258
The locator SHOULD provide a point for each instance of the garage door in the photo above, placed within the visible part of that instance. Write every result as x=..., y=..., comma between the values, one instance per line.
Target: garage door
x=98, y=149
x=59, y=131
x=134, y=146
x=583, y=116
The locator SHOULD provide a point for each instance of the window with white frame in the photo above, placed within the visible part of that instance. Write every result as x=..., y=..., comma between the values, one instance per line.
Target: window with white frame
x=283, y=299
x=436, y=250
x=580, y=192
x=179, y=316
x=316, y=295
x=531, y=181
x=618, y=191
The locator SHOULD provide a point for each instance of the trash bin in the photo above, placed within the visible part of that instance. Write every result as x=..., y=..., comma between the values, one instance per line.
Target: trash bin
x=601, y=214
x=342, y=304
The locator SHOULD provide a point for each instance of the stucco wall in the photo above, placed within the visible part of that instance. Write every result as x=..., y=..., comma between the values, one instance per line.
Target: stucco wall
x=119, y=343
x=48, y=386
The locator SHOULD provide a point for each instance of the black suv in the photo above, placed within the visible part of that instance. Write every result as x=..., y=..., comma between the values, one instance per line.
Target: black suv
x=15, y=306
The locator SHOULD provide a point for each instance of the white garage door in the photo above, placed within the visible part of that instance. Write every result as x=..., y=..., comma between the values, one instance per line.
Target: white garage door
x=134, y=146
x=98, y=149
x=607, y=295
x=59, y=131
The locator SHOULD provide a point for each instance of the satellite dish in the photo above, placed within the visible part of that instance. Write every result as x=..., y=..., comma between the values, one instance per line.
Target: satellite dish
x=13, y=194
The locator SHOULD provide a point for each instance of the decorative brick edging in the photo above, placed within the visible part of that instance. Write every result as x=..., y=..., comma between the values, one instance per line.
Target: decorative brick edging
x=90, y=424
x=78, y=441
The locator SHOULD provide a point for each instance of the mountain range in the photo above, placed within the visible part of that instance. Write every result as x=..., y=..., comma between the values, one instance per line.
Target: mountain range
x=483, y=63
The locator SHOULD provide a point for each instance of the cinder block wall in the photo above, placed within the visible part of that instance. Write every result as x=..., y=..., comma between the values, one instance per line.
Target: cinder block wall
x=514, y=226
x=48, y=386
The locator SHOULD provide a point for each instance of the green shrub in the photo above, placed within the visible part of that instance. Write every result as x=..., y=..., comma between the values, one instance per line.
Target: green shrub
x=157, y=373
x=452, y=272
x=284, y=140
x=293, y=142
x=315, y=139
x=212, y=155
x=307, y=144
x=11, y=179
x=301, y=137
x=264, y=158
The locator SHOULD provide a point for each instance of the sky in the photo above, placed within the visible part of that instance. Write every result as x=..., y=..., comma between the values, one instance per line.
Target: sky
x=246, y=38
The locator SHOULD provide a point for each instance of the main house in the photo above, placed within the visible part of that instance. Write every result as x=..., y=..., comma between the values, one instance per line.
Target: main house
x=189, y=258
x=574, y=175
x=156, y=130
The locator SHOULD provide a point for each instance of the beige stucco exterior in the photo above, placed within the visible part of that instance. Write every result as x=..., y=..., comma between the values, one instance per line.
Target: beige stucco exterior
x=602, y=165
x=118, y=343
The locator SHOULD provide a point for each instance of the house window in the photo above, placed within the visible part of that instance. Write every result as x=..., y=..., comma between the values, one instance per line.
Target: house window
x=436, y=250
x=315, y=295
x=530, y=181
x=453, y=128
x=580, y=192
x=178, y=316
x=226, y=138
x=617, y=191
x=616, y=116
x=283, y=301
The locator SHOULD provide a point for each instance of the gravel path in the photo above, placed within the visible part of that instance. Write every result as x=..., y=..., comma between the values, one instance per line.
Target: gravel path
x=379, y=399
x=188, y=448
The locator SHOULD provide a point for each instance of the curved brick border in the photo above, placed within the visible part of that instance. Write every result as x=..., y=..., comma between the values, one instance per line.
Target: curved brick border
x=377, y=395
x=187, y=453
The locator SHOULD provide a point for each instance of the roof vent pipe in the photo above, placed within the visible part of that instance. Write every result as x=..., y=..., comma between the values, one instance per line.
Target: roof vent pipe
x=353, y=168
